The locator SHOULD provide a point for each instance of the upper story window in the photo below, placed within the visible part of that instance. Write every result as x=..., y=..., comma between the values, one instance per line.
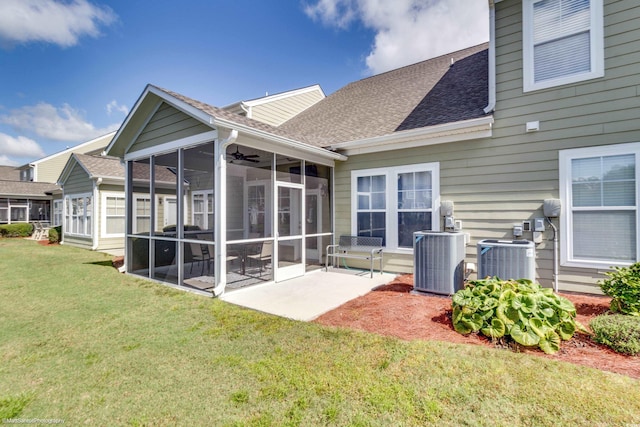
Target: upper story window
x=562, y=42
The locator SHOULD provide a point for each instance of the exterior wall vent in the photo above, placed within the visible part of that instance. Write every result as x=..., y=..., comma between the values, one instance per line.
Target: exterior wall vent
x=438, y=265
x=507, y=259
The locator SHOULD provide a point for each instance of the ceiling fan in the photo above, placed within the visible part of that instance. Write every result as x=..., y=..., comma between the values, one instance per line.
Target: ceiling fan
x=242, y=157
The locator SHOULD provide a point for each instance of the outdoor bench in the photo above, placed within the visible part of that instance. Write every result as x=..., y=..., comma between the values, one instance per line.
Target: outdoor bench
x=356, y=247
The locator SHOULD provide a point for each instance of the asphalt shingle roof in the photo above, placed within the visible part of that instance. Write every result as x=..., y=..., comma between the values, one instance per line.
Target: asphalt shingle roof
x=101, y=167
x=446, y=89
x=20, y=189
x=9, y=173
x=430, y=92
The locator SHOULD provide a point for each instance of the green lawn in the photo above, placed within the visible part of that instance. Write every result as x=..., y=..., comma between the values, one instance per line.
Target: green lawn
x=81, y=343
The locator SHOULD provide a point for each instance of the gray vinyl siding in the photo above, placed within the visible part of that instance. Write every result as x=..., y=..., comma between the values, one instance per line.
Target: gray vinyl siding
x=279, y=111
x=78, y=241
x=168, y=124
x=77, y=182
x=522, y=169
x=503, y=180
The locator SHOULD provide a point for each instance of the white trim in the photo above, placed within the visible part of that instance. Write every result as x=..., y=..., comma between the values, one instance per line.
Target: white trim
x=566, y=242
x=391, y=202
x=103, y=213
x=596, y=32
x=200, y=138
x=73, y=149
x=431, y=135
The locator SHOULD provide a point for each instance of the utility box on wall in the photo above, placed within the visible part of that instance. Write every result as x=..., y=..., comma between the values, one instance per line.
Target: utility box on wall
x=507, y=259
x=438, y=264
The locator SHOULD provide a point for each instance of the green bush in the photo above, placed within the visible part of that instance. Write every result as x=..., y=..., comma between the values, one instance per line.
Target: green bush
x=620, y=332
x=20, y=229
x=55, y=234
x=623, y=286
x=517, y=310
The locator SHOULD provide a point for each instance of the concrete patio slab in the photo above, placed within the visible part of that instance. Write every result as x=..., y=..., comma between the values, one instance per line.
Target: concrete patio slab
x=307, y=297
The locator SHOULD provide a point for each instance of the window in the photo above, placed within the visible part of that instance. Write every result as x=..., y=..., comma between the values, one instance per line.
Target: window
x=600, y=192
x=393, y=203
x=142, y=220
x=562, y=42
x=113, y=214
x=78, y=214
x=57, y=212
x=202, y=205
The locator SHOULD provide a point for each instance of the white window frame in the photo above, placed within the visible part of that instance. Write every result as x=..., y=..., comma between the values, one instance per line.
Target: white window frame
x=596, y=33
x=134, y=211
x=87, y=226
x=391, y=209
x=566, y=235
x=205, y=199
x=58, y=212
x=104, y=215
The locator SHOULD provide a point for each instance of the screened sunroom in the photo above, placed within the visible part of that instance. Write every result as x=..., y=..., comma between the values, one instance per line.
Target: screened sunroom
x=219, y=203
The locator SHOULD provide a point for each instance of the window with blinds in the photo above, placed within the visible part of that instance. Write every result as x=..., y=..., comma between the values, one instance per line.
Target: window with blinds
x=601, y=196
x=562, y=42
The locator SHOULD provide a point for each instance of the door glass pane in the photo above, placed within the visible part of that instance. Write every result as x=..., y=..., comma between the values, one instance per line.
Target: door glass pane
x=289, y=211
x=289, y=252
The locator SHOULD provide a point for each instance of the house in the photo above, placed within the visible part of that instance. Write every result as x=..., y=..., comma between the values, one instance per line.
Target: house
x=93, y=201
x=93, y=184
x=545, y=112
x=30, y=192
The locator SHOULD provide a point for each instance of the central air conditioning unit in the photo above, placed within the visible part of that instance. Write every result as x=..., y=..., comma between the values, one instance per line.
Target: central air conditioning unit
x=438, y=264
x=507, y=259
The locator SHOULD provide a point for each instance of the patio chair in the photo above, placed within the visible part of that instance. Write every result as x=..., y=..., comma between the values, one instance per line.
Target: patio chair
x=37, y=230
x=200, y=253
x=264, y=255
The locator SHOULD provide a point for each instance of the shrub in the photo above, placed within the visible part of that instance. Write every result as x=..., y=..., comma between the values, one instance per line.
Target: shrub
x=623, y=286
x=517, y=310
x=55, y=234
x=20, y=229
x=620, y=332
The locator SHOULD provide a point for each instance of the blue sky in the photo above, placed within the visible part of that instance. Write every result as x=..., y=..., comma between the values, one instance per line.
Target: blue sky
x=70, y=70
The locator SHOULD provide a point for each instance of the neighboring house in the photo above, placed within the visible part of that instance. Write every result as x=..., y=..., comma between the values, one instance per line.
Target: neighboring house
x=546, y=110
x=93, y=202
x=25, y=201
x=278, y=108
x=29, y=193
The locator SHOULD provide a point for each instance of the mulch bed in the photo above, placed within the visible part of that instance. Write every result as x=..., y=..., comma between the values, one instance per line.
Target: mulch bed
x=392, y=310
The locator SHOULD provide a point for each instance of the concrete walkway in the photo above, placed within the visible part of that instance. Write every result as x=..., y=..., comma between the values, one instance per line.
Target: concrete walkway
x=307, y=297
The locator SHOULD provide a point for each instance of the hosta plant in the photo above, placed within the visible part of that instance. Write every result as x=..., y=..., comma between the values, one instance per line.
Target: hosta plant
x=518, y=310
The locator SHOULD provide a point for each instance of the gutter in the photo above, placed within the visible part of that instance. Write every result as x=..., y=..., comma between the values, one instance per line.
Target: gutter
x=420, y=134
x=95, y=219
x=318, y=151
x=492, y=58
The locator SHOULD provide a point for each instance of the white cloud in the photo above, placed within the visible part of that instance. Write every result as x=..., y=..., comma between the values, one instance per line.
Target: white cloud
x=6, y=161
x=51, y=21
x=114, y=106
x=18, y=147
x=59, y=124
x=409, y=31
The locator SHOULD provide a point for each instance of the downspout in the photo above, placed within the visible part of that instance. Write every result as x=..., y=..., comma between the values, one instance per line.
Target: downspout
x=220, y=197
x=94, y=214
x=492, y=58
